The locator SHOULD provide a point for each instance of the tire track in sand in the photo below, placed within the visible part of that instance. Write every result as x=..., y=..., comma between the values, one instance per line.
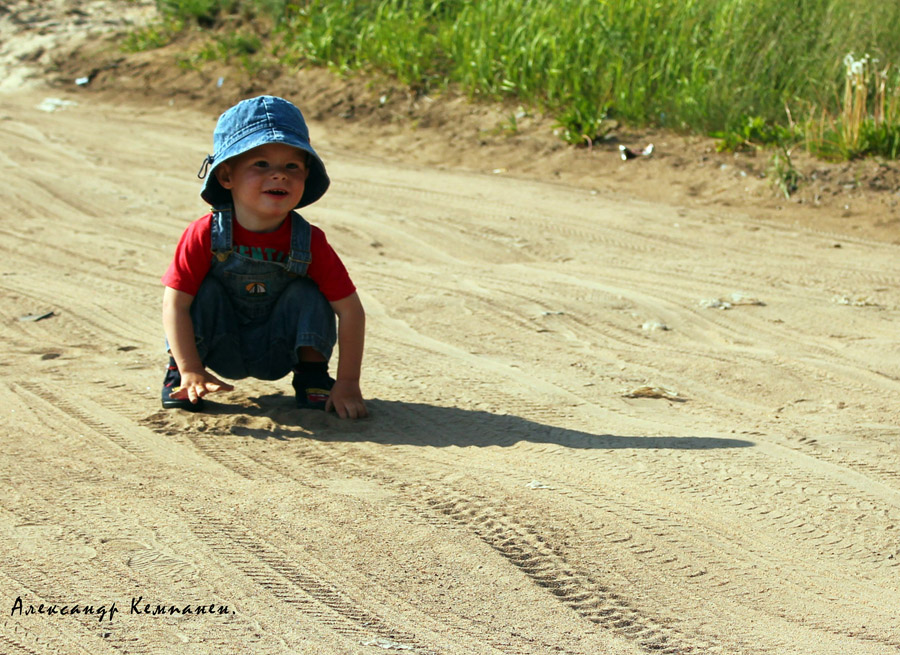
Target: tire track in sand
x=280, y=574
x=527, y=550
x=307, y=592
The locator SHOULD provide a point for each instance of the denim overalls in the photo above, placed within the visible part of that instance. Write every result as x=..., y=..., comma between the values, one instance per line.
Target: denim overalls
x=250, y=316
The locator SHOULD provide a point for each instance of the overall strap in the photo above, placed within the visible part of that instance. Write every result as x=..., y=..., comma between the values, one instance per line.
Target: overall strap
x=301, y=238
x=221, y=232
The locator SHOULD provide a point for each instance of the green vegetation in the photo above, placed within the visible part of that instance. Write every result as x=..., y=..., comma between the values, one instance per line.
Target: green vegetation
x=152, y=36
x=768, y=73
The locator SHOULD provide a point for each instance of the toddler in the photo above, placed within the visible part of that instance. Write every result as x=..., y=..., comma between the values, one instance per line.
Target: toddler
x=253, y=289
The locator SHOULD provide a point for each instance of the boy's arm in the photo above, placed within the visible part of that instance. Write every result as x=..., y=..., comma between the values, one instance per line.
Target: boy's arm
x=346, y=398
x=196, y=381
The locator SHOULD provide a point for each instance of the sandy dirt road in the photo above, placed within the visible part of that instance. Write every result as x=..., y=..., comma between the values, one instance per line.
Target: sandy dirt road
x=599, y=425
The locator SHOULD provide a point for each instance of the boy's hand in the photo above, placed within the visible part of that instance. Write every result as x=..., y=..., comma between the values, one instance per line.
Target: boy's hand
x=195, y=385
x=346, y=399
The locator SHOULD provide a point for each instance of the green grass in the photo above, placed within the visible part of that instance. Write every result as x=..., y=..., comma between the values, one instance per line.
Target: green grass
x=152, y=36
x=768, y=72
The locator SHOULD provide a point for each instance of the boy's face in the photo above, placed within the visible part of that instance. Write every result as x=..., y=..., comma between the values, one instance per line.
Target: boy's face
x=266, y=183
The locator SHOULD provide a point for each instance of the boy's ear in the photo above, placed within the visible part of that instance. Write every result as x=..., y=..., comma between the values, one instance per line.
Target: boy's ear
x=223, y=174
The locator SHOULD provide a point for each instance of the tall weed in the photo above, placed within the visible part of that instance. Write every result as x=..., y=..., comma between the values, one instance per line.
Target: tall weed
x=868, y=119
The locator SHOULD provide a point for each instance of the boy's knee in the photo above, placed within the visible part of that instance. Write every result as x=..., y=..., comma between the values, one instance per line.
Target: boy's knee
x=211, y=300
x=212, y=313
x=303, y=290
x=303, y=297
x=210, y=289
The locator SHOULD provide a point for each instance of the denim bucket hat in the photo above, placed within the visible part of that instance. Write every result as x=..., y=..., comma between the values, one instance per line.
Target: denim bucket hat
x=256, y=122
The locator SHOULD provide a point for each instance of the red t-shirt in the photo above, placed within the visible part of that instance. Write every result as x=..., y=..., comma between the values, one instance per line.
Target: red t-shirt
x=193, y=257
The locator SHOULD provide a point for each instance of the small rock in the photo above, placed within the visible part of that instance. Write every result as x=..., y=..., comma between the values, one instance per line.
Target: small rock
x=653, y=326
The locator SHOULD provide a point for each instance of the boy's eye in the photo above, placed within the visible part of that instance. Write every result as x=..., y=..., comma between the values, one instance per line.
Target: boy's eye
x=261, y=164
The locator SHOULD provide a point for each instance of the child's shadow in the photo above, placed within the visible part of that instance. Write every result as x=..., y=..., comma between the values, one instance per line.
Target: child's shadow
x=394, y=422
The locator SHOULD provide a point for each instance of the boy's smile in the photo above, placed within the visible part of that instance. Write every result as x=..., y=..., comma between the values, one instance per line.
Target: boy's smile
x=266, y=183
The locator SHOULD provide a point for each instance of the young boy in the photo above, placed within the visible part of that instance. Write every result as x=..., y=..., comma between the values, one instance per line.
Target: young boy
x=253, y=288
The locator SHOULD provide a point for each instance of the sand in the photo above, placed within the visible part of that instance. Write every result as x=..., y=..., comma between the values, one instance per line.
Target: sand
x=600, y=423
